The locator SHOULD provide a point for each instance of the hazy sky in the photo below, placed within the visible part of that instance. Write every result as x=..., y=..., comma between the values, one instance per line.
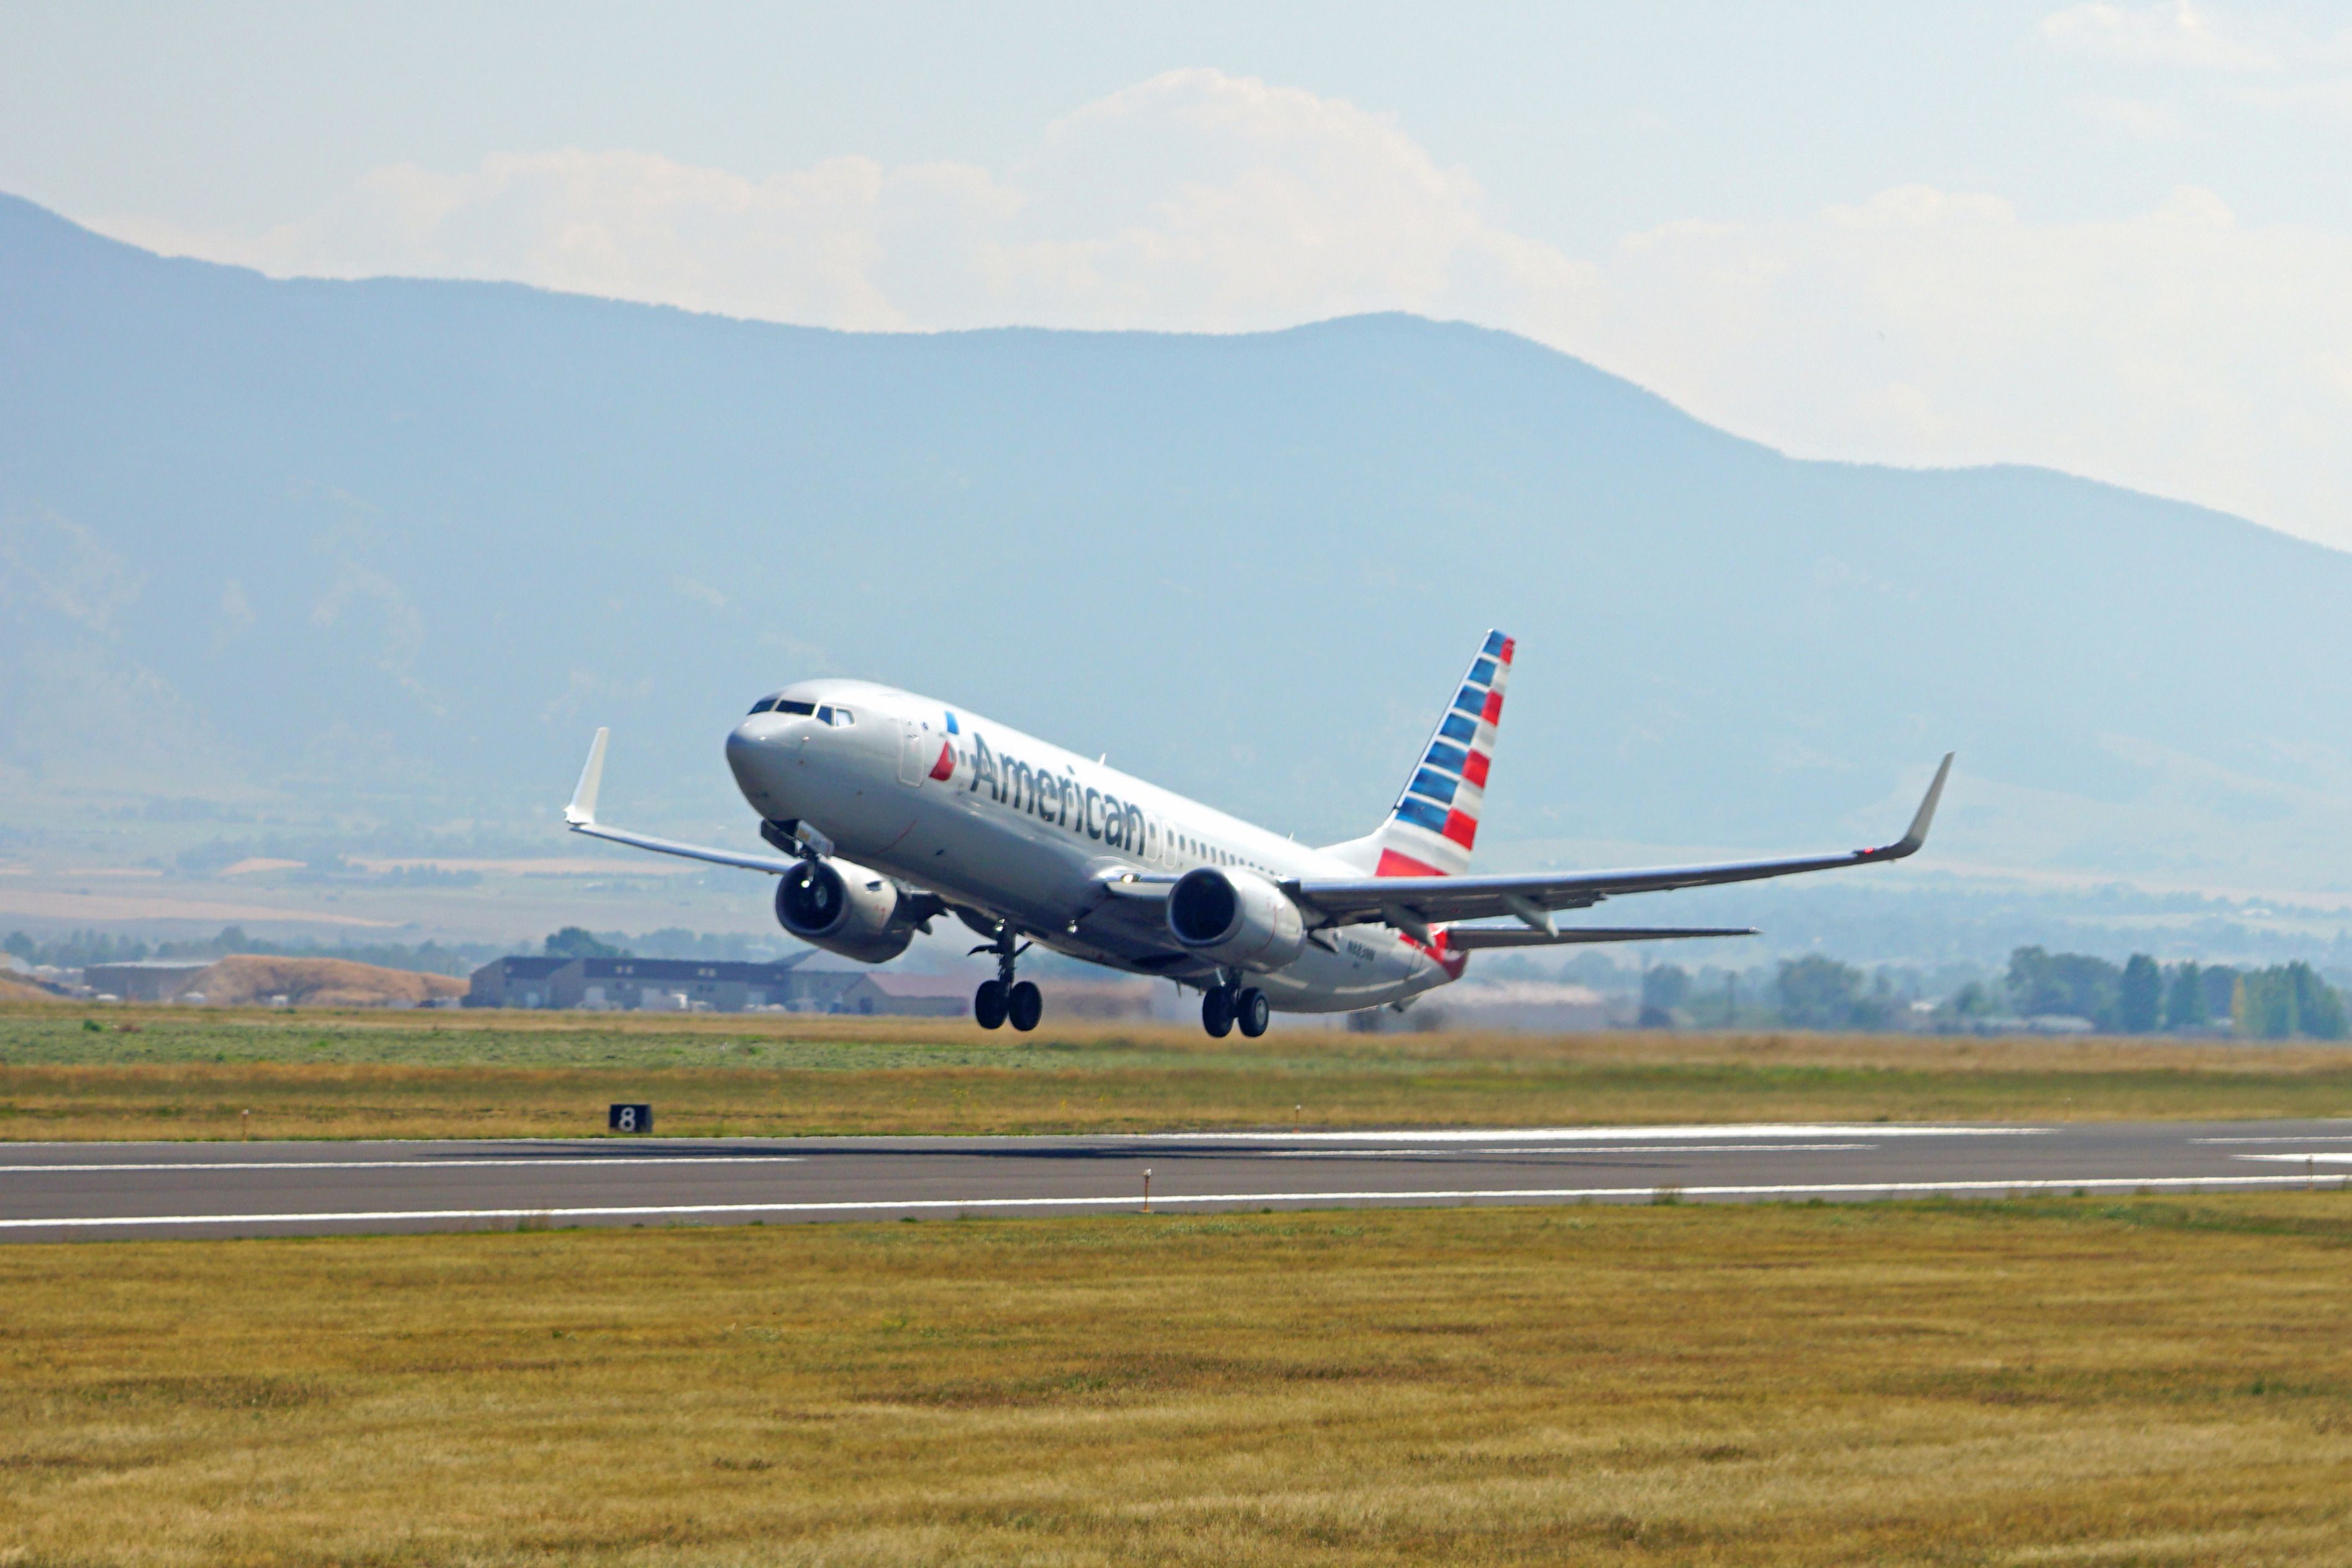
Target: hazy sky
x=2113, y=238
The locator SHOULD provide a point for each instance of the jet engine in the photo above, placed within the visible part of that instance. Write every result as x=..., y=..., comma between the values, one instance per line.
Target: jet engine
x=1236, y=918
x=846, y=909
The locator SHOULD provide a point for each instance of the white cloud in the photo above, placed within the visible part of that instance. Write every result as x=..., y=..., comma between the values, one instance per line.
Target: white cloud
x=2176, y=350
x=1193, y=201
x=2178, y=34
x=2266, y=66
x=802, y=245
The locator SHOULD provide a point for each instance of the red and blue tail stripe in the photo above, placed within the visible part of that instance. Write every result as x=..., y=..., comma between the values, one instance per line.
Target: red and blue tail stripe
x=1434, y=824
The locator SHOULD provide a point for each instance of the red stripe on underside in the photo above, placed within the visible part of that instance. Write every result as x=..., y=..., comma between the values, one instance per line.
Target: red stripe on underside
x=944, y=768
x=1494, y=714
x=1395, y=865
x=1463, y=830
x=1474, y=770
x=1440, y=949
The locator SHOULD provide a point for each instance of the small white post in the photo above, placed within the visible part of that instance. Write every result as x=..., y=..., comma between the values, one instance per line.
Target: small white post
x=1146, y=1189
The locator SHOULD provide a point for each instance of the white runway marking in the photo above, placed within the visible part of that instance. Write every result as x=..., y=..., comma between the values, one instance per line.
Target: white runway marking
x=1569, y=1149
x=2306, y=1138
x=2309, y=1157
x=1131, y=1200
x=1603, y=1134
x=413, y=1164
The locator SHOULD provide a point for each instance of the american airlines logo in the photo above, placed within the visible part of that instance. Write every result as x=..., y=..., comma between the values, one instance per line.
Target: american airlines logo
x=1060, y=799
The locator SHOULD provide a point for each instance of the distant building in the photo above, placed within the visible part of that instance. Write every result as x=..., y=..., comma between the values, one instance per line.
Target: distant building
x=151, y=980
x=513, y=982
x=656, y=985
x=892, y=993
x=709, y=985
x=681, y=984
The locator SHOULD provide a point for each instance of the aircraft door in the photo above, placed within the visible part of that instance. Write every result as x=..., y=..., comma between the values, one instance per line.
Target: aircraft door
x=915, y=751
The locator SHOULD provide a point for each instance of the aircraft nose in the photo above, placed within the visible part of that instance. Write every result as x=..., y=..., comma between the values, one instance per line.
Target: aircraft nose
x=745, y=744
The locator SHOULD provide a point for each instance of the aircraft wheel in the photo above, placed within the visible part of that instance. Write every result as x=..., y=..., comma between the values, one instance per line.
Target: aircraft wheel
x=1025, y=1005
x=988, y=1004
x=1252, y=1012
x=1217, y=1012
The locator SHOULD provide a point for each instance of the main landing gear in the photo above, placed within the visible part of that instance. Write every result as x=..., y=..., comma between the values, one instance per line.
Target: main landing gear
x=1230, y=1003
x=1005, y=1000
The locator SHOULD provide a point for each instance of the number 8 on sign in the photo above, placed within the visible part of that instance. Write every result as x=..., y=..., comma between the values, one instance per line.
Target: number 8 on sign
x=630, y=1118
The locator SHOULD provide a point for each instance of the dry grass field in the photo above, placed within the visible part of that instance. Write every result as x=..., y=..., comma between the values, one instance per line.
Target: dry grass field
x=123, y=1072
x=2149, y=1381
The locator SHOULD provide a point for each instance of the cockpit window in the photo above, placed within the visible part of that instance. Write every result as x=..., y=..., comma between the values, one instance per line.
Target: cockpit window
x=786, y=706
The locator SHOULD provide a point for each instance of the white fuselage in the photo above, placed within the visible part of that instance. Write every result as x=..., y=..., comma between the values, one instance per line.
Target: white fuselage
x=1018, y=830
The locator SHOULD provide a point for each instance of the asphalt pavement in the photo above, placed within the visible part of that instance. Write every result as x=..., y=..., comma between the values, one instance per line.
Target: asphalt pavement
x=51, y=1191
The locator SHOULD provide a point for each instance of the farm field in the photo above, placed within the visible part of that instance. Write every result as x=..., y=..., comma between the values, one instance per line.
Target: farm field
x=141, y=1073
x=2151, y=1381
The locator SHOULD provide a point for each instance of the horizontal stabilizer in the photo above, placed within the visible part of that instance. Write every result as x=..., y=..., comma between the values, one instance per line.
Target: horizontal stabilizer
x=1470, y=939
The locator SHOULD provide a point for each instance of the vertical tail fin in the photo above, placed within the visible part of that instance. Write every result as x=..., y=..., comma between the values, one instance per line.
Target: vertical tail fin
x=1434, y=824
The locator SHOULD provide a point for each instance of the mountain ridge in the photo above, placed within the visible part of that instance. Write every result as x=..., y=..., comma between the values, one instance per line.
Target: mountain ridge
x=388, y=549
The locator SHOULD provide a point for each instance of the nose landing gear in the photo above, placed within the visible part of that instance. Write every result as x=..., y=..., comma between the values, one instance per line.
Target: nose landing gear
x=1231, y=1003
x=1004, y=999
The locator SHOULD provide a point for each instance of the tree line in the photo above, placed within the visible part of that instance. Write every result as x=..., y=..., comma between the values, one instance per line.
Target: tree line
x=2139, y=996
x=2285, y=1001
x=81, y=949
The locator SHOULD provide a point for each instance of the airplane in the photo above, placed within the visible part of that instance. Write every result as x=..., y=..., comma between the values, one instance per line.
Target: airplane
x=889, y=809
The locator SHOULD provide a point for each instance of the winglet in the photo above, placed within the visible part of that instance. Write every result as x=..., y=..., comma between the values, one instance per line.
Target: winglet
x=1916, y=833
x=582, y=812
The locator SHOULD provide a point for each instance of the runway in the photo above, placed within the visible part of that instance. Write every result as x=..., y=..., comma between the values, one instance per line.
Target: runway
x=51, y=1191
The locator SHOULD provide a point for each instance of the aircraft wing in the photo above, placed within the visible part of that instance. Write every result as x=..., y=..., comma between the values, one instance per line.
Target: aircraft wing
x=1417, y=903
x=581, y=818
x=774, y=865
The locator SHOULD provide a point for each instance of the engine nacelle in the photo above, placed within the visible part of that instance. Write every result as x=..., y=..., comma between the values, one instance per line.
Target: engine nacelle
x=844, y=909
x=1236, y=918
